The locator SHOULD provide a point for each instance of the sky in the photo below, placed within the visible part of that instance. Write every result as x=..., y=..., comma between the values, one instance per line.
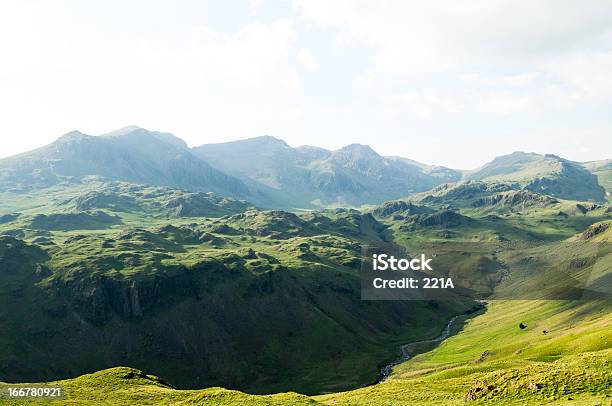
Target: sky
x=451, y=83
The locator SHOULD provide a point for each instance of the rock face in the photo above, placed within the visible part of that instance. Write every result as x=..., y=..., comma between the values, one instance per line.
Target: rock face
x=595, y=229
x=463, y=194
x=520, y=199
x=276, y=224
x=204, y=205
x=99, y=299
x=444, y=218
x=400, y=208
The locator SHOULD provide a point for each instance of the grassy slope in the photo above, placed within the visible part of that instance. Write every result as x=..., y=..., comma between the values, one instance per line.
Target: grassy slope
x=565, y=350
x=570, y=360
x=128, y=386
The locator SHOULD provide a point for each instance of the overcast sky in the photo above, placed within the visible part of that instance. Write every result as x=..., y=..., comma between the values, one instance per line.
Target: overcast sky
x=450, y=82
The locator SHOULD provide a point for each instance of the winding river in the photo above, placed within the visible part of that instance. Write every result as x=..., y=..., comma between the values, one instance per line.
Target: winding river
x=404, y=356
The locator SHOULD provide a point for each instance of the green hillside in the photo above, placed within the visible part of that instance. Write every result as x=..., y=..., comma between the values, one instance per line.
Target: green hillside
x=210, y=292
x=517, y=352
x=195, y=296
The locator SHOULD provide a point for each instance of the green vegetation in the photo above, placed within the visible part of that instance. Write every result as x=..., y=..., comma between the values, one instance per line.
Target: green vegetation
x=266, y=300
x=207, y=291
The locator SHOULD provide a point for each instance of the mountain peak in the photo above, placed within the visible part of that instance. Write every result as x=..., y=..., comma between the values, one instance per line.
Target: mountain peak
x=135, y=131
x=355, y=147
x=356, y=152
x=124, y=130
x=71, y=136
x=268, y=140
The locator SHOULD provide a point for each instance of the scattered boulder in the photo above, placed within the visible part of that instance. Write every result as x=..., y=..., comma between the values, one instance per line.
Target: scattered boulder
x=478, y=390
x=534, y=386
x=595, y=229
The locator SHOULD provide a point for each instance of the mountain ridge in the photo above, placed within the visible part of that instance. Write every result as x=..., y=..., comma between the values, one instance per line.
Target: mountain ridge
x=311, y=176
x=270, y=173
x=137, y=156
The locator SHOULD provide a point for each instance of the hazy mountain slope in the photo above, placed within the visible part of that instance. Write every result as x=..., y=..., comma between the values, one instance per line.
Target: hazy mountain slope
x=603, y=171
x=310, y=176
x=548, y=174
x=270, y=173
x=131, y=154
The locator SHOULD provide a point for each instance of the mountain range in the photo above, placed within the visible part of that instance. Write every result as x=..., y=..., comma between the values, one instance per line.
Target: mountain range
x=270, y=173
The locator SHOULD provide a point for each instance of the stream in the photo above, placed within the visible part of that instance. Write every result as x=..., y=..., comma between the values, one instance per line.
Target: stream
x=404, y=356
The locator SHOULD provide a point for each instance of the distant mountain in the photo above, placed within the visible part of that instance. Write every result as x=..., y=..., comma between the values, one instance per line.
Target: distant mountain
x=547, y=174
x=131, y=154
x=310, y=176
x=269, y=173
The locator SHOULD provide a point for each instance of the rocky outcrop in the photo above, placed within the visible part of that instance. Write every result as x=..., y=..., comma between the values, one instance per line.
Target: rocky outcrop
x=595, y=229
x=521, y=199
x=98, y=299
x=400, y=208
x=443, y=218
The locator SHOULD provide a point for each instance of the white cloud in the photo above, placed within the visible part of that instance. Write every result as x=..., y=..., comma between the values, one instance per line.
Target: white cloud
x=507, y=55
x=308, y=60
x=521, y=80
x=410, y=36
x=460, y=73
x=60, y=74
